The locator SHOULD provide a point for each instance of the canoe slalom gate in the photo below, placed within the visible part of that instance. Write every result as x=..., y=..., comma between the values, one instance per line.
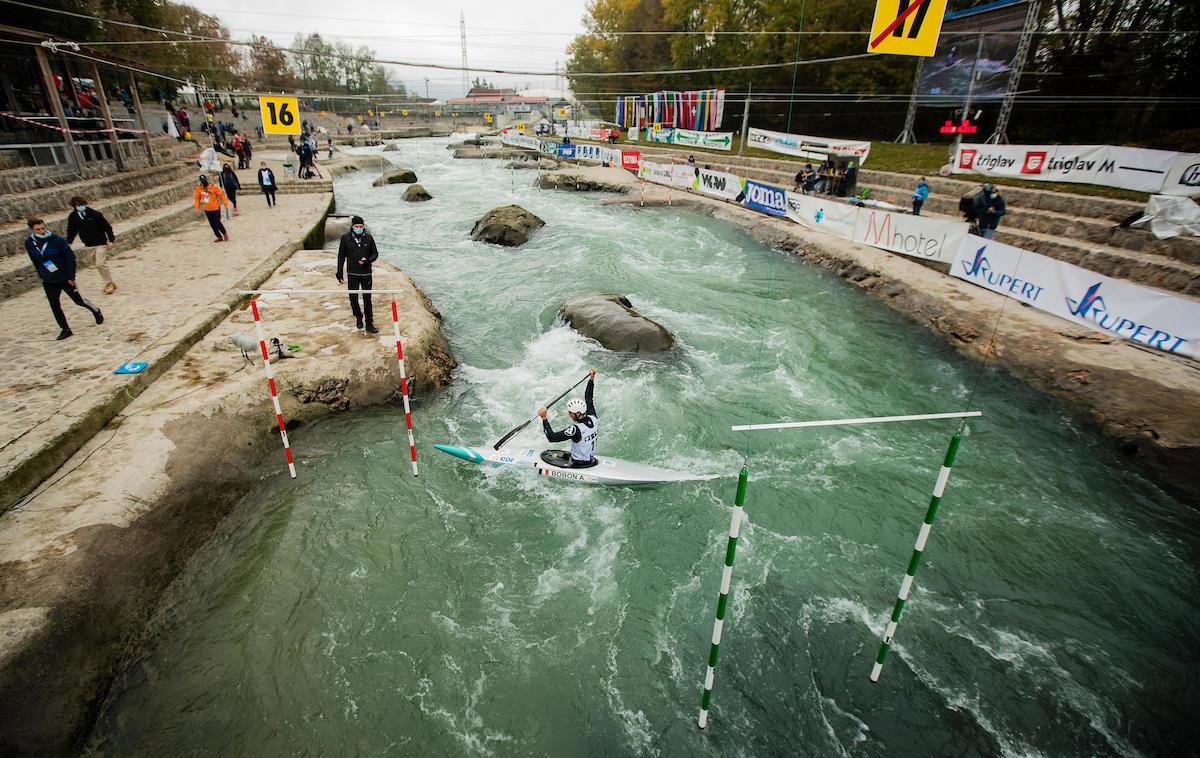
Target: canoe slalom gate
x=270, y=373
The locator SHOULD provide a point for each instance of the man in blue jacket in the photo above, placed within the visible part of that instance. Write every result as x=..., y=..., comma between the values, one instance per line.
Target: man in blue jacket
x=54, y=261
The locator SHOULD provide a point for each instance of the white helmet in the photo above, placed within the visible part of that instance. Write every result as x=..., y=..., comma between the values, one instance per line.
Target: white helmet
x=575, y=405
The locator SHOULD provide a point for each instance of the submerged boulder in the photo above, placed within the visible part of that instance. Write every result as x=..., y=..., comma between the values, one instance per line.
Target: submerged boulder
x=508, y=225
x=399, y=176
x=416, y=194
x=612, y=321
x=335, y=226
x=391, y=147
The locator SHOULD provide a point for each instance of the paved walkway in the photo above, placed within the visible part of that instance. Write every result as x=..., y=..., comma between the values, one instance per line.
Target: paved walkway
x=165, y=287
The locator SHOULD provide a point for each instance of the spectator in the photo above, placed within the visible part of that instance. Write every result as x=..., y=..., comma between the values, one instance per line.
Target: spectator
x=96, y=233
x=989, y=207
x=691, y=160
x=54, y=262
x=210, y=199
x=266, y=182
x=229, y=182
x=919, y=195
x=181, y=116
x=356, y=253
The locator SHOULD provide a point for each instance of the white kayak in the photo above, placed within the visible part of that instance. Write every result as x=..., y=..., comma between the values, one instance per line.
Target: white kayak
x=606, y=471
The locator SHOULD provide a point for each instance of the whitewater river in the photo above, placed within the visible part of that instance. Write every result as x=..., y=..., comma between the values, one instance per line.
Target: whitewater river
x=359, y=611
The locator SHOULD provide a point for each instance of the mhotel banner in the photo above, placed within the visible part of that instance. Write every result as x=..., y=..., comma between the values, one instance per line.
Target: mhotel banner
x=1140, y=314
x=932, y=239
x=1129, y=168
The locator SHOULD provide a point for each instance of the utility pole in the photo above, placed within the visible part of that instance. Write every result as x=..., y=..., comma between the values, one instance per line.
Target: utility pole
x=427, y=88
x=745, y=119
x=462, y=31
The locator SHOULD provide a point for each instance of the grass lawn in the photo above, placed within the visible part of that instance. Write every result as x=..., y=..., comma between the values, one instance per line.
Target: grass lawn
x=924, y=159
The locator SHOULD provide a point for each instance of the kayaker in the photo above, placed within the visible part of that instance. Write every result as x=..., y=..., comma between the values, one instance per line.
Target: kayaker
x=582, y=432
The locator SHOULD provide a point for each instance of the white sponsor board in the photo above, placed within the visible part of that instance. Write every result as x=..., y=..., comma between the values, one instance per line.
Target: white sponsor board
x=708, y=140
x=1120, y=308
x=659, y=173
x=597, y=153
x=1184, y=176
x=515, y=139
x=1129, y=168
x=718, y=184
x=925, y=237
x=822, y=214
x=805, y=146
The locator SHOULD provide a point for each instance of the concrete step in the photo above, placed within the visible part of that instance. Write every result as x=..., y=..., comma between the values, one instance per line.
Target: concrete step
x=46, y=201
x=17, y=274
x=12, y=236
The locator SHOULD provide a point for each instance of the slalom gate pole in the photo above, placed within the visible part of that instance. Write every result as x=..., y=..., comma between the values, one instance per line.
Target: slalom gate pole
x=642, y=204
x=735, y=526
x=262, y=344
x=918, y=551
x=670, y=181
x=412, y=446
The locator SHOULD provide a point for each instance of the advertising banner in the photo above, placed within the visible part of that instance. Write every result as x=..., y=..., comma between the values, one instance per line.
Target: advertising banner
x=764, y=198
x=596, y=153
x=515, y=139
x=548, y=147
x=823, y=215
x=630, y=159
x=1184, y=176
x=804, y=146
x=683, y=176
x=565, y=151
x=1105, y=165
x=926, y=237
x=708, y=140
x=718, y=184
x=659, y=173
x=1114, y=306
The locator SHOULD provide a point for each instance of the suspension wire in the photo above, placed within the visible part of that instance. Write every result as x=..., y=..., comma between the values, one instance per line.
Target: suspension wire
x=795, y=69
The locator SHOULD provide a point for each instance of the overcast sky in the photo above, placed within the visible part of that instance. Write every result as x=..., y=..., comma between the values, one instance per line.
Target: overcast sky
x=514, y=34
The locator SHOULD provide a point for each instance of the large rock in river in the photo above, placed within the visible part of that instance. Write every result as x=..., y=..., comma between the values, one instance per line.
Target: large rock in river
x=508, y=225
x=416, y=193
x=335, y=226
x=612, y=321
x=399, y=176
x=391, y=147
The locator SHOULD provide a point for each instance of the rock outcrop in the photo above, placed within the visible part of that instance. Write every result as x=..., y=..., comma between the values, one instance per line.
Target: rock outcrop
x=398, y=176
x=612, y=321
x=416, y=194
x=508, y=225
x=581, y=181
x=336, y=226
x=545, y=164
x=391, y=147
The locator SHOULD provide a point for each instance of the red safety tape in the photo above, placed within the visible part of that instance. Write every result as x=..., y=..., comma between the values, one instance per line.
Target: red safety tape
x=72, y=131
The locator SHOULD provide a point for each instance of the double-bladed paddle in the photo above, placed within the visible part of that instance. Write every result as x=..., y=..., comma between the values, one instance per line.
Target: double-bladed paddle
x=509, y=436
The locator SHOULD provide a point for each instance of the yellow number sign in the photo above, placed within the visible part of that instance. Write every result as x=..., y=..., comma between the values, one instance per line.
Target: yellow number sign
x=487, y=117
x=403, y=112
x=520, y=126
x=657, y=128
x=562, y=112
x=280, y=115
x=438, y=114
x=906, y=27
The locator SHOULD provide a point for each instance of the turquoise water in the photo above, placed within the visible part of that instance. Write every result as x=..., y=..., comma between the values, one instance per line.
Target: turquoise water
x=357, y=610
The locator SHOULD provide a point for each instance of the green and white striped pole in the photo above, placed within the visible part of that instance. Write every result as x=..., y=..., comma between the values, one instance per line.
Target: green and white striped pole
x=735, y=526
x=914, y=562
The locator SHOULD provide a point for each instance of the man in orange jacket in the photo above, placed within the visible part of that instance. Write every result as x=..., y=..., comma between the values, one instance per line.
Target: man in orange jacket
x=210, y=198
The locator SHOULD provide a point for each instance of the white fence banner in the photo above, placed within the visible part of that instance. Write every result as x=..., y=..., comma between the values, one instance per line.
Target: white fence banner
x=932, y=239
x=823, y=215
x=515, y=139
x=708, y=140
x=718, y=184
x=1129, y=168
x=597, y=153
x=683, y=175
x=1184, y=176
x=659, y=173
x=1120, y=308
x=805, y=146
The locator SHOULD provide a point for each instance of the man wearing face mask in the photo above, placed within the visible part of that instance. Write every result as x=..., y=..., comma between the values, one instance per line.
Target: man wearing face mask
x=90, y=226
x=266, y=182
x=356, y=253
x=54, y=261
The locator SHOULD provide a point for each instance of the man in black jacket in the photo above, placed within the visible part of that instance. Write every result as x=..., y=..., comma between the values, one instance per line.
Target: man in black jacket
x=266, y=182
x=54, y=261
x=356, y=253
x=90, y=226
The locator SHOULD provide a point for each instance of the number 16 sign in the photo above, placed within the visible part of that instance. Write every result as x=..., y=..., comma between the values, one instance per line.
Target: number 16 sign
x=280, y=115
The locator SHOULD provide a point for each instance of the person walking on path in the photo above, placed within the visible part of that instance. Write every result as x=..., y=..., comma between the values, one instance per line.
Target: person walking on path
x=989, y=207
x=229, y=182
x=54, y=261
x=209, y=199
x=356, y=253
x=919, y=196
x=96, y=233
x=266, y=183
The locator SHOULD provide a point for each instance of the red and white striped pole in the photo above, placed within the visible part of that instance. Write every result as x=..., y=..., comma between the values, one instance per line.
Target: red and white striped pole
x=412, y=446
x=262, y=344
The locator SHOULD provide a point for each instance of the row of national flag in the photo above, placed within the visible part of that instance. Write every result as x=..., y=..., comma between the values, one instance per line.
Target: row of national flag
x=700, y=110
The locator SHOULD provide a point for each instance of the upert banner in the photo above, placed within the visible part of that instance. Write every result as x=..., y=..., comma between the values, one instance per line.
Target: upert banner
x=805, y=146
x=708, y=140
x=718, y=184
x=926, y=237
x=1120, y=308
x=630, y=159
x=1106, y=165
x=822, y=214
x=764, y=198
x=1184, y=176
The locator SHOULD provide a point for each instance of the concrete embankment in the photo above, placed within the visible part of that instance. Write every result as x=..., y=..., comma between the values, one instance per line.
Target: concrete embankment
x=1147, y=402
x=83, y=563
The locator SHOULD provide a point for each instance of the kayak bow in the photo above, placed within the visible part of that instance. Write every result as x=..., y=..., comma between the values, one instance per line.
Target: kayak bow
x=606, y=471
